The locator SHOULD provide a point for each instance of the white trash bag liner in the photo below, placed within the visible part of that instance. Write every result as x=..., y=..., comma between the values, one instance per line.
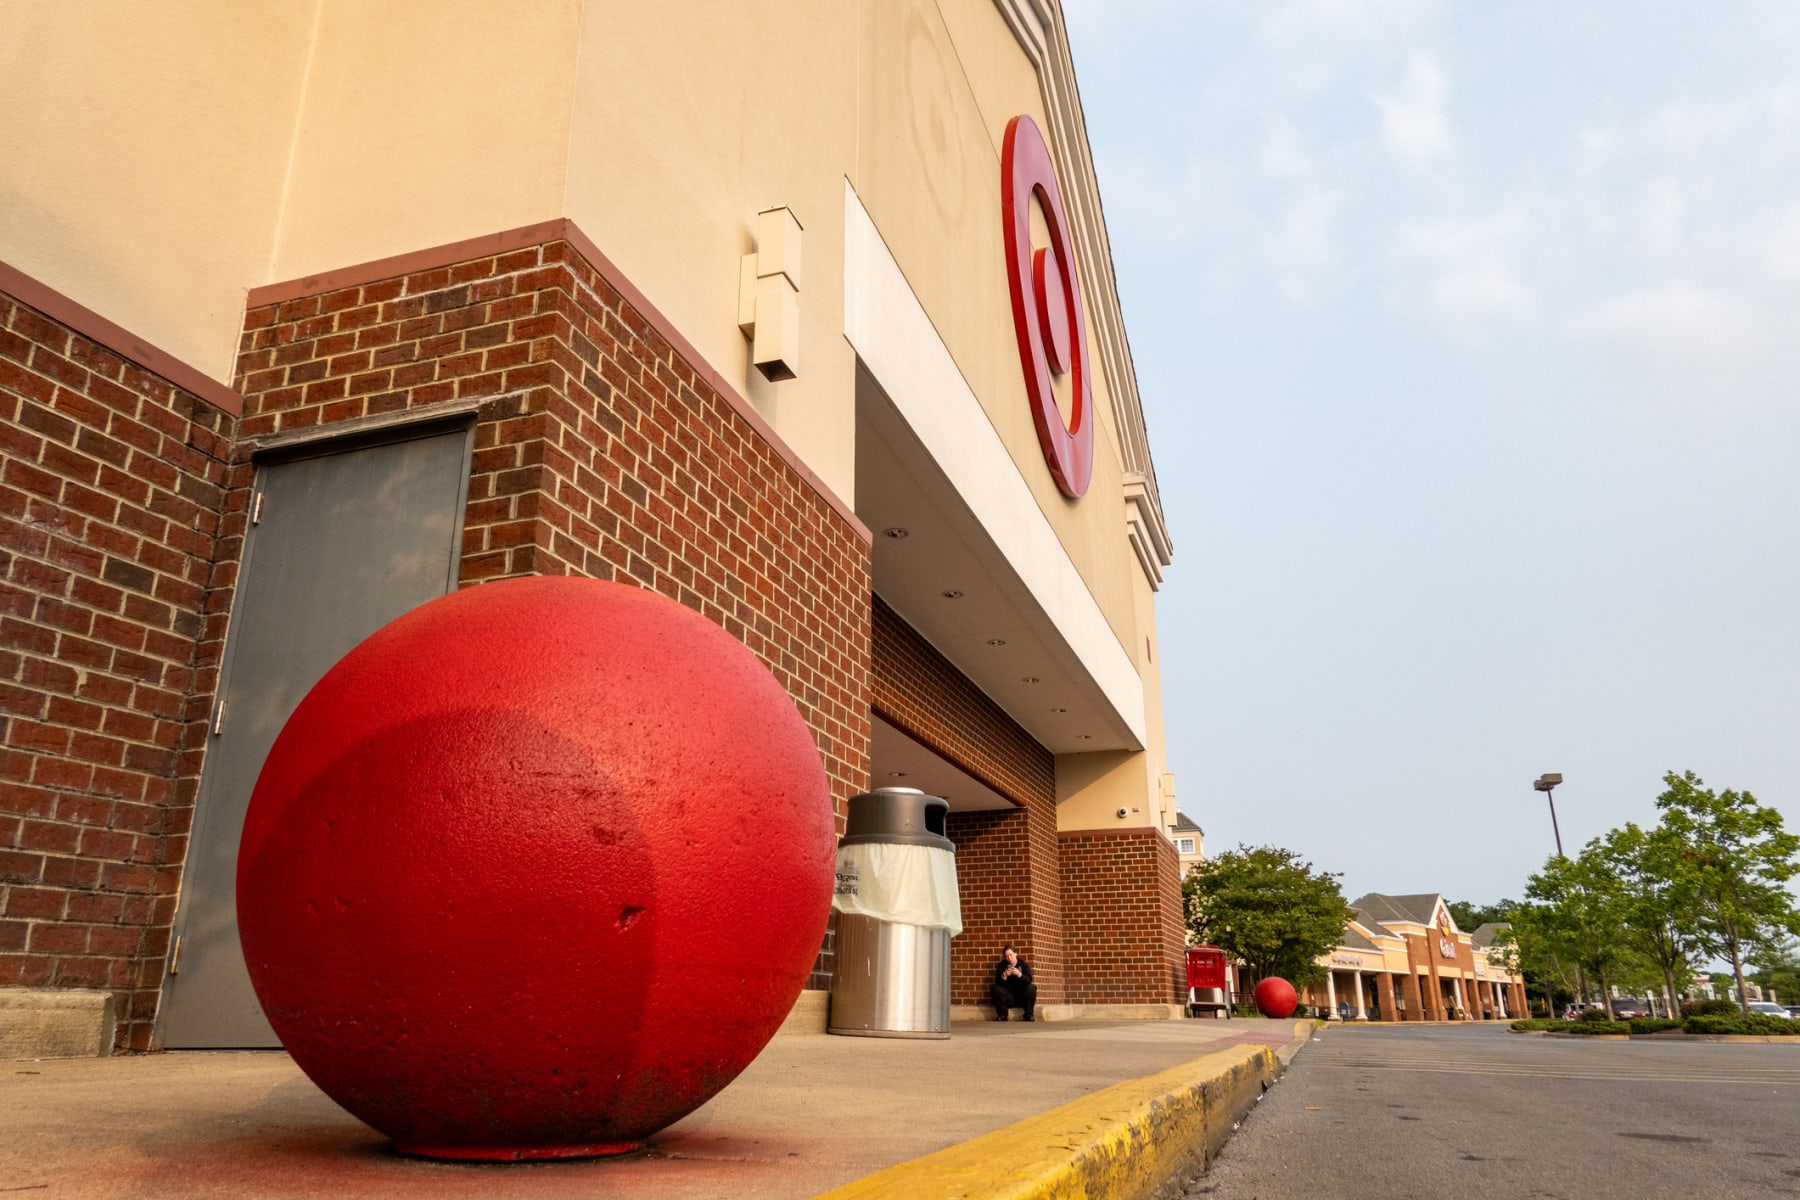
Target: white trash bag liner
x=907, y=885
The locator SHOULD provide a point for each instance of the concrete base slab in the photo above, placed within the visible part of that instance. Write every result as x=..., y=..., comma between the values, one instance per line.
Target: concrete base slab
x=810, y=1114
x=51, y=1023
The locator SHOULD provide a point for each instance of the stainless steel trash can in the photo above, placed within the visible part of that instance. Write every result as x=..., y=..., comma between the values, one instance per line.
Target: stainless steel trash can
x=897, y=909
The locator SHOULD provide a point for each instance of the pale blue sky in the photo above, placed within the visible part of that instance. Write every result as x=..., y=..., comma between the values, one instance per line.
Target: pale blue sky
x=1468, y=337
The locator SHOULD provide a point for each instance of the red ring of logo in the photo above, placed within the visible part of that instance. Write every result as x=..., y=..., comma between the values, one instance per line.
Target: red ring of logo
x=1046, y=303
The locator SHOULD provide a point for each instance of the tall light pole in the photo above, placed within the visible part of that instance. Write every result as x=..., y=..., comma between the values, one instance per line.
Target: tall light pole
x=1546, y=784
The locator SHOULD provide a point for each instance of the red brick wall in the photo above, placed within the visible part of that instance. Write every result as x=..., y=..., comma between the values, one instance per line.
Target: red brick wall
x=918, y=690
x=1421, y=951
x=600, y=450
x=109, y=503
x=1006, y=862
x=1122, y=918
x=1007, y=878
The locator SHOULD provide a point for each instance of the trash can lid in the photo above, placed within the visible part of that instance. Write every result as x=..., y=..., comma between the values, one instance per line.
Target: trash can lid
x=897, y=816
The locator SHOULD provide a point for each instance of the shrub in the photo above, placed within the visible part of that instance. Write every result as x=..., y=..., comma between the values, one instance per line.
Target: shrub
x=1587, y=1025
x=1652, y=1024
x=1757, y=1023
x=1710, y=1008
x=1595, y=1016
x=1542, y=1023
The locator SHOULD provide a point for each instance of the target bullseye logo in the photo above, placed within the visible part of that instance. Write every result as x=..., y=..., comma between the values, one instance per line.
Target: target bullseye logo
x=1046, y=303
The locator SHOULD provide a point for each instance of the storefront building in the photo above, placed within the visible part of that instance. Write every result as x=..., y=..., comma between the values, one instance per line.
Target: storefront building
x=799, y=313
x=1404, y=959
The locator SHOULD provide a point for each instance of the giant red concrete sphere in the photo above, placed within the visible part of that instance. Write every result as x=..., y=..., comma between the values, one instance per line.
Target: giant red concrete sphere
x=1275, y=997
x=535, y=870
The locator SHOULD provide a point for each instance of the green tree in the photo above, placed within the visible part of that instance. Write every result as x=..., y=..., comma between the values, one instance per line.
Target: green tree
x=1778, y=969
x=1536, y=953
x=1578, y=908
x=1734, y=862
x=1268, y=910
x=1656, y=899
x=1470, y=917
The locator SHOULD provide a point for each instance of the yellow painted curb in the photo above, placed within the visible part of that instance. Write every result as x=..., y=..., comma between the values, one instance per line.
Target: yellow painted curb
x=1121, y=1142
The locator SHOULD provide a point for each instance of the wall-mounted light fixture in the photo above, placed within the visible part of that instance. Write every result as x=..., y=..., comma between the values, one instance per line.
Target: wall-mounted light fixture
x=769, y=295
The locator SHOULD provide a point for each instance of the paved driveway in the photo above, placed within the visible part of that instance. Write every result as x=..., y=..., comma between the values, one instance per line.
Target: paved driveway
x=1440, y=1111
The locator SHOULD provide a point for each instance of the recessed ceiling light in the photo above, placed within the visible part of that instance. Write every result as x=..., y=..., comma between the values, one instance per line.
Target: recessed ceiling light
x=1059, y=710
x=1086, y=737
x=1028, y=679
x=950, y=594
x=896, y=532
x=996, y=641
x=896, y=774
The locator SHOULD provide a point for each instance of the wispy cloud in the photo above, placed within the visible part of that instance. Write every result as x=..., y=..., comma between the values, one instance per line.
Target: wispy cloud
x=1673, y=323
x=1460, y=275
x=1414, y=120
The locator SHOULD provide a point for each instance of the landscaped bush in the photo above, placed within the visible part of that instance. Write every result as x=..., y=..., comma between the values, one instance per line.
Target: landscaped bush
x=1588, y=1025
x=1595, y=1016
x=1545, y=1024
x=1710, y=1008
x=1756, y=1023
x=1652, y=1024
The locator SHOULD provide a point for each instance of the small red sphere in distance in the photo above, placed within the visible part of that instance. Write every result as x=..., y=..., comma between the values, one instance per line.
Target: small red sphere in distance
x=1275, y=998
x=536, y=870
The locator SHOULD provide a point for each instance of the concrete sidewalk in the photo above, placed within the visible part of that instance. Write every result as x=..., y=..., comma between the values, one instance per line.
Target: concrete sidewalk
x=1091, y=1108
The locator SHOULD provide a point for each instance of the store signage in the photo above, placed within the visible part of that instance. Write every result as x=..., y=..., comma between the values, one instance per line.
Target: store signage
x=1446, y=944
x=1046, y=304
x=1346, y=960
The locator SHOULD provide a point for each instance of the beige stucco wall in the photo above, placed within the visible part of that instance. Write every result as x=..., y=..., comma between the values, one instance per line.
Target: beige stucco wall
x=688, y=121
x=157, y=161
x=1091, y=788
x=426, y=122
x=938, y=86
x=142, y=155
x=1147, y=654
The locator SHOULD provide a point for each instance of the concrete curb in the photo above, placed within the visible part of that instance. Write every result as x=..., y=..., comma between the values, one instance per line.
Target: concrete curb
x=1122, y=1142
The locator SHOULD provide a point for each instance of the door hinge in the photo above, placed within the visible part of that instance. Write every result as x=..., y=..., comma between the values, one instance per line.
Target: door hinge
x=256, y=509
x=218, y=717
x=175, y=955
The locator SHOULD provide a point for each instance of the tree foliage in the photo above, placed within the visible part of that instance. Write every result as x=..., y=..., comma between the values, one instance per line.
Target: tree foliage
x=1470, y=917
x=1636, y=904
x=1268, y=909
x=1577, y=906
x=1778, y=969
x=1656, y=901
x=1734, y=862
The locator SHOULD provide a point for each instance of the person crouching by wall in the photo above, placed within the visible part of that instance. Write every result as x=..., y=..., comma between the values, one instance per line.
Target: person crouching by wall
x=1013, y=987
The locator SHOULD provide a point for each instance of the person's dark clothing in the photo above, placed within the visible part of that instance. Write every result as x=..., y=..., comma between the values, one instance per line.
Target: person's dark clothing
x=1017, y=992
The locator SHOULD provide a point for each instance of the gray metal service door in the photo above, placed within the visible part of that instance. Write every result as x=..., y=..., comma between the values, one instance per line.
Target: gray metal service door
x=339, y=544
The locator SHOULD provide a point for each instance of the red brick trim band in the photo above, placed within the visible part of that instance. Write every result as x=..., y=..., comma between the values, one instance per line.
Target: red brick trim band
x=118, y=339
x=561, y=229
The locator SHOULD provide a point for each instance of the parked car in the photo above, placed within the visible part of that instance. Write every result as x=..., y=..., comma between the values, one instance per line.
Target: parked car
x=1627, y=1009
x=1768, y=1009
x=1793, y=1010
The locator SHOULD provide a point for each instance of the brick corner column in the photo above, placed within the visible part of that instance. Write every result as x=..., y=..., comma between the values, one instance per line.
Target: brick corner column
x=1415, y=1003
